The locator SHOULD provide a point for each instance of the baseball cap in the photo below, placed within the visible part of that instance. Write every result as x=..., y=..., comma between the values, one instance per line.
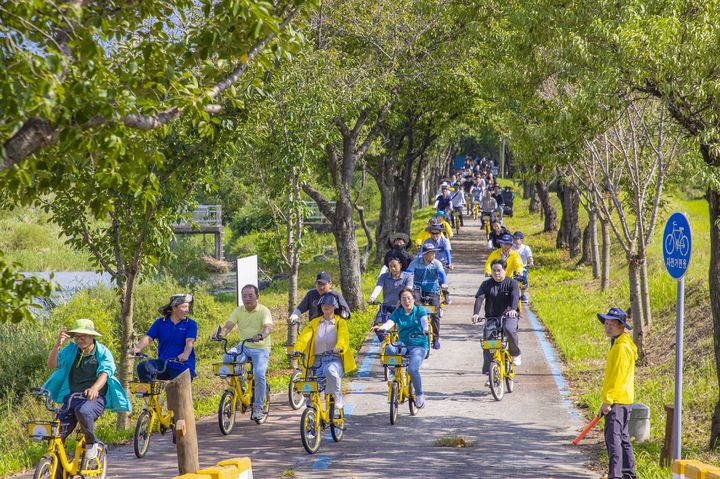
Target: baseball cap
x=428, y=247
x=324, y=277
x=329, y=299
x=505, y=238
x=518, y=235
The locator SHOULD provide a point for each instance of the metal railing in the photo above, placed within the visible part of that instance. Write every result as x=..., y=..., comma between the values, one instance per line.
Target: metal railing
x=205, y=215
x=313, y=214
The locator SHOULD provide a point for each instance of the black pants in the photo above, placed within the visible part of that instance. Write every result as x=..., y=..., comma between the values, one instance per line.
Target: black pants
x=510, y=328
x=617, y=440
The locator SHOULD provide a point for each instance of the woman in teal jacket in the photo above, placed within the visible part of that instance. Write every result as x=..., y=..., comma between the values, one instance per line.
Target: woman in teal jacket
x=84, y=366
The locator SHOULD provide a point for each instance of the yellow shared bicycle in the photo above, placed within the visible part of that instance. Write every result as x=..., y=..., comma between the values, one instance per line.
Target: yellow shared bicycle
x=318, y=416
x=241, y=387
x=391, y=335
x=502, y=369
x=400, y=389
x=57, y=457
x=152, y=413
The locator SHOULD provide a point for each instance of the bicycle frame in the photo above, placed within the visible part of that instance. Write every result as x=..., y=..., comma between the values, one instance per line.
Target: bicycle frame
x=241, y=384
x=56, y=448
x=310, y=385
x=401, y=376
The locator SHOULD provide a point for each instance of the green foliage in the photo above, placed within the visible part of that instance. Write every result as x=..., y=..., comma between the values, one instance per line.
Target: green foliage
x=18, y=292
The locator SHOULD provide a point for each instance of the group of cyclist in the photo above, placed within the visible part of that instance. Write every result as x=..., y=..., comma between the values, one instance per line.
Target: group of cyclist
x=408, y=283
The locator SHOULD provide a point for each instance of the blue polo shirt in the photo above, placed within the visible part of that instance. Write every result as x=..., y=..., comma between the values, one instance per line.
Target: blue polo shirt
x=171, y=341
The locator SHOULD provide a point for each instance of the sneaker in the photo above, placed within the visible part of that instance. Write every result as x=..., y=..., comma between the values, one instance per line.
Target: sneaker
x=523, y=298
x=436, y=343
x=257, y=414
x=517, y=360
x=420, y=401
x=336, y=413
x=448, y=300
x=91, y=452
x=487, y=383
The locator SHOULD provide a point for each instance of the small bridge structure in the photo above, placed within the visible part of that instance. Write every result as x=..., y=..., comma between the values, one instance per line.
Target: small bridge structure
x=205, y=219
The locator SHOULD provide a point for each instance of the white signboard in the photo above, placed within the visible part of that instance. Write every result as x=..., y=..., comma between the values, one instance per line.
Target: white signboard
x=247, y=273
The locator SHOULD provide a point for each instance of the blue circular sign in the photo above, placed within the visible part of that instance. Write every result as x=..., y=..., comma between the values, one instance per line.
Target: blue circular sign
x=677, y=244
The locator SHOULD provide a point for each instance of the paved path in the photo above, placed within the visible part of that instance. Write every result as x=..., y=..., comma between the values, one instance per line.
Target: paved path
x=526, y=435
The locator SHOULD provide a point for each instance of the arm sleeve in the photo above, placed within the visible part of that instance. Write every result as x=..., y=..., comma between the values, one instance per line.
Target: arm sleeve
x=424, y=323
x=489, y=260
x=375, y=293
x=387, y=325
x=408, y=281
x=154, y=330
x=107, y=363
x=618, y=362
x=302, y=340
x=267, y=317
x=515, y=295
x=441, y=275
x=448, y=255
x=479, y=298
x=304, y=304
x=411, y=267
x=343, y=335
x=192, y=330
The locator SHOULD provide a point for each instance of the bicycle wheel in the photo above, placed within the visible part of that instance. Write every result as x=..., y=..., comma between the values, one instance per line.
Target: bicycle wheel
x=141, y=440
x=309, y=431
x=496, y=383
x=44, y=468
x=102, y=458
x=394, y=401
x=669, y=244
x=337, y=431
x=295, y=399
x=509, y=376
x=226, y=412
x=266, y=405
x=682, y=245
x=411, y=399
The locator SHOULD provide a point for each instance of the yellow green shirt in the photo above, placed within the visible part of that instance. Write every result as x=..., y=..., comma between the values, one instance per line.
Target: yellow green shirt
x=250, y=323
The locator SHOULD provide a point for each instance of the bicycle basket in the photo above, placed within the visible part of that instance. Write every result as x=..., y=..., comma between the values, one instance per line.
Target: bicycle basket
x=492, y=344
x=228, y=369
x=306, y=387
x=40, y=430
x=430, y=308
x=394, y=360
x=142, y=390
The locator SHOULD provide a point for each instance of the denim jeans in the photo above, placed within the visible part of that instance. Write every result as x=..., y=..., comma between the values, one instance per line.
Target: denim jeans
x=416, y=355
x=83, y=412
x=260, y=358
x=331, y=368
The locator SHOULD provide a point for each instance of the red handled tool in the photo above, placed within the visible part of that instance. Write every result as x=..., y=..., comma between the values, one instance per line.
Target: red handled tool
x=584, y=432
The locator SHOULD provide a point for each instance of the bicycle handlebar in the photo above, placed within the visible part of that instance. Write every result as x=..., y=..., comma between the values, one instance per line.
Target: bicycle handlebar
x=300, y=354
x=48, y=402
x=217, y=337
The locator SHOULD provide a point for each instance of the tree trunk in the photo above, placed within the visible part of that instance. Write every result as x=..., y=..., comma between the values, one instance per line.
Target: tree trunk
x=586, y=258
x=534, y=205
x=348, y=256
x=547, y=207
x=645, y=293
x=388, y=214
x=527, y=193
x=595, y=254
x=713, y=198
x=569, y=232
x=605, y=258
x=636, y=305
x=127, y=338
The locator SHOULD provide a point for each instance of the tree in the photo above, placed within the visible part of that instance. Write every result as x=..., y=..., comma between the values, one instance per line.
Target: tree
x=18, y=293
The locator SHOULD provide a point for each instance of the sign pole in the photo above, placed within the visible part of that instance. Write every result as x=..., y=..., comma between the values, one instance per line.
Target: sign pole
x=680, y=313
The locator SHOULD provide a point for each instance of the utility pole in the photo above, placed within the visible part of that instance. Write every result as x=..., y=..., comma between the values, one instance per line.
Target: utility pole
x=501, y=171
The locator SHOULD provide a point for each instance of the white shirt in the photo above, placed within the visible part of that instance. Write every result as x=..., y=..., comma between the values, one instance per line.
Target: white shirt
x=326, y=338
x=524, y=251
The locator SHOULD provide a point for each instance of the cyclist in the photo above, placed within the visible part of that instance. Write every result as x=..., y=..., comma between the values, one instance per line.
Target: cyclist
x=328, y=334
x=468, y=185
x=526, y=256
x=497, y=195
x=442, y=218
x=428, y=278
x=501, y=295
x=496, y=231
x=412, y=325
x=488, y=205
x=443, y=202
x=441, y=245
x=176, y=334
x=310, y=303
x=424, y=235
x=390, y=283
x=399, y=242
x=88, y=367
x=457, y=198
x=513, y=263
x=254, y=322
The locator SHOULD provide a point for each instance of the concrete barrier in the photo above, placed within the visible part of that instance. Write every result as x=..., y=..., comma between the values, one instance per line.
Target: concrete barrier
x=242, y=464
x=691, y=469
x=193, y=476
x=233, y=468
x=220, y=472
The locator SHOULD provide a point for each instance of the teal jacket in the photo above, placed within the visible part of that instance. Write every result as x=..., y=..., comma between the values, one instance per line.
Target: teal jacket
x=58, y=384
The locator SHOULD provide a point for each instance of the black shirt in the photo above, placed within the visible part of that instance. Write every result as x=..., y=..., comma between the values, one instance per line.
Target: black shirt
x=494, y=237
x=499, y=297
x=83, y=372
x=310, y=304
x=499, y=198
x=401, y=254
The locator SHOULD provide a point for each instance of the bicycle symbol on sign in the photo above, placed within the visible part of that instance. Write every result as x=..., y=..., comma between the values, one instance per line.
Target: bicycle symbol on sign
x=677, y=241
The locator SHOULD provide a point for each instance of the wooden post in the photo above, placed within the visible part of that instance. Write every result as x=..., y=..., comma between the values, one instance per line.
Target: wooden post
x=665, y=453
x=219, y=250
x=179, y=397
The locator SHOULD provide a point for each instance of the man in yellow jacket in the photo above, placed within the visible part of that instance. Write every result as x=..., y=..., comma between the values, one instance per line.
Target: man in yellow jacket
x=618, y=394
x=511, y=257
x=325, y=342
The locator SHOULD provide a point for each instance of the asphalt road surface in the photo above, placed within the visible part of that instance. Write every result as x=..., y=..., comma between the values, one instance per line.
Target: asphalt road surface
x=526, y=435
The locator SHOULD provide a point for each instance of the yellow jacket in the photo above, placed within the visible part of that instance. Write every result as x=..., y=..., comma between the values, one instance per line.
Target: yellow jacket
x=424, y=235
x=514, y=262
x=306, y=343
x=618, y=385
